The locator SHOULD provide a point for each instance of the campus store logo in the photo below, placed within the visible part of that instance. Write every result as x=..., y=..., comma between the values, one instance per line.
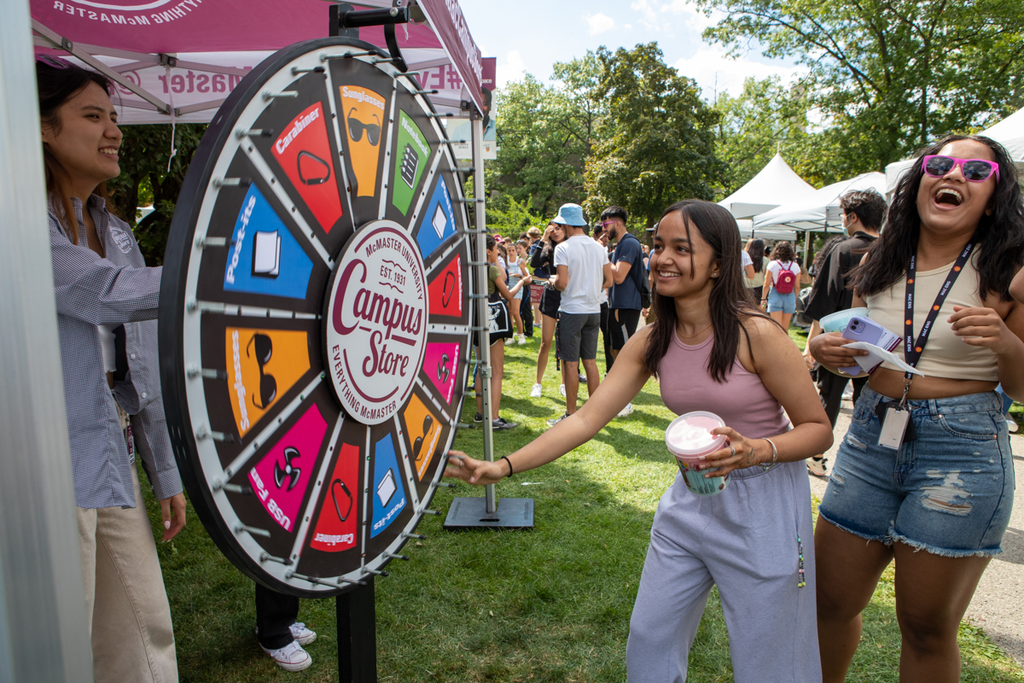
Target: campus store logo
x=376, y=322
x=262, y=366
x=128, y=12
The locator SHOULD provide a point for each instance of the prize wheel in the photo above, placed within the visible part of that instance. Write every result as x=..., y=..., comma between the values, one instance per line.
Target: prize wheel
x=314, y=317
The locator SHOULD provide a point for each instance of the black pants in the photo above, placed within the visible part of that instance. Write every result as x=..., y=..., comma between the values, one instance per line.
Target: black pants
x=830, y=387
x=275, y=612
x=526, y=312
x=606, y=338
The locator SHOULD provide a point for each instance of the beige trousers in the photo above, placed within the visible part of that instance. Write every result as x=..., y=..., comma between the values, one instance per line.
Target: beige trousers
x=126, y=604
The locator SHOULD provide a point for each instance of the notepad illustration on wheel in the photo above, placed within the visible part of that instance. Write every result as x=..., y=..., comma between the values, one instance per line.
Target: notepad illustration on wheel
x=386, y=488
x=410, y=162
x=266, y=254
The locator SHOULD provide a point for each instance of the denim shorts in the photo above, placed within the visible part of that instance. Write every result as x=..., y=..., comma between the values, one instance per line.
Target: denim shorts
x=949, y=492
x=781, y=302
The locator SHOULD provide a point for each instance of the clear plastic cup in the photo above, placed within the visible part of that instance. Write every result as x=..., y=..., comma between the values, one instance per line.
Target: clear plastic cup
x=688, y=438
x=836, y=322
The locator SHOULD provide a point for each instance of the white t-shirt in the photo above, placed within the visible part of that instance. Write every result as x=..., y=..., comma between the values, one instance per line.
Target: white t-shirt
x=745, y=260
x=774, y=268
x=585, y=259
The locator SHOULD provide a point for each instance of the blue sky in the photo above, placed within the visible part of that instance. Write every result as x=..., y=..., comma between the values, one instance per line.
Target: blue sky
x=528, y=36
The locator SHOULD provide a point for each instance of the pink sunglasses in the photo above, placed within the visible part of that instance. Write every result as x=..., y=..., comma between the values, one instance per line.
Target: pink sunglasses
x=974, y=170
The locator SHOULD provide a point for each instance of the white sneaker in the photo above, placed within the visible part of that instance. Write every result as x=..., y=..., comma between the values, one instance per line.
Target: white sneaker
x=291, y=657
x=628, y=410
x=535, y=392
x=522, y=339
x=561, y=389
x=303, y=635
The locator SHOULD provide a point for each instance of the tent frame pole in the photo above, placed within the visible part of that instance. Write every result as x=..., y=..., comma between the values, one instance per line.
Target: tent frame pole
x=43, y=625
x=483, y=381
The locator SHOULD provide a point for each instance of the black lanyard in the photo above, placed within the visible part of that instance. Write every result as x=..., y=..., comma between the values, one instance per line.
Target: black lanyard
x=912, y=351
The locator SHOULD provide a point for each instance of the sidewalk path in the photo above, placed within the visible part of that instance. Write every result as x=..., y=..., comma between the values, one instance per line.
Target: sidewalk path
x=996, y=606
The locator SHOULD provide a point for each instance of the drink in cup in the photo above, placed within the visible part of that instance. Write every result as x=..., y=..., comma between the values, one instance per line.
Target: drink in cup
x=689, y=438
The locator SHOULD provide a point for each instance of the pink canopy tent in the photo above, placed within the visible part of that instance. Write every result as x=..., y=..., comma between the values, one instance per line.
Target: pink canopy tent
x=176, y=60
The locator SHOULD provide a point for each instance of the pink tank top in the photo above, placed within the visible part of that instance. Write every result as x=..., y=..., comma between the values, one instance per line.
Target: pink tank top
x=742, y=401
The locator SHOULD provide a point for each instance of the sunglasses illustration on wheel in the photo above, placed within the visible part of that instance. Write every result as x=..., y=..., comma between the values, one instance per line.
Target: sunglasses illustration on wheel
x=356, y=128
x=264, y=349
x=417, y=445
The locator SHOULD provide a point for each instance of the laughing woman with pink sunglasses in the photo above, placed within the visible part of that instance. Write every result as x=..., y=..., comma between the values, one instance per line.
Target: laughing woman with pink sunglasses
x=924, y=476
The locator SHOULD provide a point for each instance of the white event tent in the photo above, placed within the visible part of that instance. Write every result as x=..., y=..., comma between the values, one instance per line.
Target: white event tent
x=747, y=231
x=1009, y=133
x=773, y=184
x=820, y=211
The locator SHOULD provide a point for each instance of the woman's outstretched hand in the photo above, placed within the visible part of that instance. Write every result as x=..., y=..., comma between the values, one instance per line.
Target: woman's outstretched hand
x=479, y=472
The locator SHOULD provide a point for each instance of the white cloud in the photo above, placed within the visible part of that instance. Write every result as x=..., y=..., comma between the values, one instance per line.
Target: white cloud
x=716, y=72
x=599, y=23
x=676, y=6
x=511, y=68
x=646, y=14
x=694, y=19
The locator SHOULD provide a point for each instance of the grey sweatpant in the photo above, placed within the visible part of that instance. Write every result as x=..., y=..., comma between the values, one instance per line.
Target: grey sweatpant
x=744, y=540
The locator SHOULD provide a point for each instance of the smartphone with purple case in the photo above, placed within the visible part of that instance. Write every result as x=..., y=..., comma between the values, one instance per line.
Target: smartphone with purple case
x=866, y=330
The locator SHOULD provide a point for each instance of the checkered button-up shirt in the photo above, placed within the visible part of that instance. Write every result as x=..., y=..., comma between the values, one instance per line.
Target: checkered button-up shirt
x=92, y=291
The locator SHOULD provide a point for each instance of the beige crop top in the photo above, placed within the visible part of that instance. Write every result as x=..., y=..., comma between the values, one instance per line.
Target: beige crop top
x=945, y=354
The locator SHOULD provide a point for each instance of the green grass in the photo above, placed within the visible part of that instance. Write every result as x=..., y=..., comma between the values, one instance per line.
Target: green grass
x=551, y=604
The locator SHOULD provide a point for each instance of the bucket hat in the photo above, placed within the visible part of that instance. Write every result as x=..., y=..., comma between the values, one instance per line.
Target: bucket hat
x=570, y=214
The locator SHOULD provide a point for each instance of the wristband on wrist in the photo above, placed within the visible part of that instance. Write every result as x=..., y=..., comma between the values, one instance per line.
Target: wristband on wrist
x=510, y=470
x=775, y=456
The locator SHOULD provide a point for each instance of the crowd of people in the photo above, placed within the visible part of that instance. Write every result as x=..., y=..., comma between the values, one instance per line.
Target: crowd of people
x=923, y=477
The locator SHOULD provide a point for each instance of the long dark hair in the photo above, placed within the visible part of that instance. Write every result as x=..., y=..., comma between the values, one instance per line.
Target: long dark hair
x=1000, y=235
x=548, y=253
x=730, y=300
x=57, y=82
x=755, y=250
x=825, y=251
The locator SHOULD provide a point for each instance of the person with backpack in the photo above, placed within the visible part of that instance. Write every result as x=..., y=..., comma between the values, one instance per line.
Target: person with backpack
x=625, y=299
x=778, y=296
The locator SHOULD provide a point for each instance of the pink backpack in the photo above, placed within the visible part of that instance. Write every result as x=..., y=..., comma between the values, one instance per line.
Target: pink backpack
x=786, y=282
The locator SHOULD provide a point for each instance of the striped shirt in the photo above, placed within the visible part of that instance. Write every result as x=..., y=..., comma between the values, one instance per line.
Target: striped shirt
x=116, y=290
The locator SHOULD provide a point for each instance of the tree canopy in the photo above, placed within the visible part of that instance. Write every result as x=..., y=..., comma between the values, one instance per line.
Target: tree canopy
x=889, y=76
x=656, y=144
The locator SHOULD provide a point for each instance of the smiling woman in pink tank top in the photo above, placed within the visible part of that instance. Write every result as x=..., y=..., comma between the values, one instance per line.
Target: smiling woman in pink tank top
x=712, y=350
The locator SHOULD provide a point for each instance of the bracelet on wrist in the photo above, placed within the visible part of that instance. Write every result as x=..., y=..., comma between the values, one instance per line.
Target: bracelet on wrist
x=510, y=470
x=775, y=456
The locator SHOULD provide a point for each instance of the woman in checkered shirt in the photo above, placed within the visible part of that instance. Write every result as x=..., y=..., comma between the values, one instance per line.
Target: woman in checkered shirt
x=107, y=302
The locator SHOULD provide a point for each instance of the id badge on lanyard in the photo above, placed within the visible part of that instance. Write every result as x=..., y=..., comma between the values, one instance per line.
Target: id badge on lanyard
x=894, y=416
x=126, y=429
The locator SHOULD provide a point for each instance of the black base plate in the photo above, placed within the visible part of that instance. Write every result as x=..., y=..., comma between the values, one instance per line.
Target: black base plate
x=471, y=513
